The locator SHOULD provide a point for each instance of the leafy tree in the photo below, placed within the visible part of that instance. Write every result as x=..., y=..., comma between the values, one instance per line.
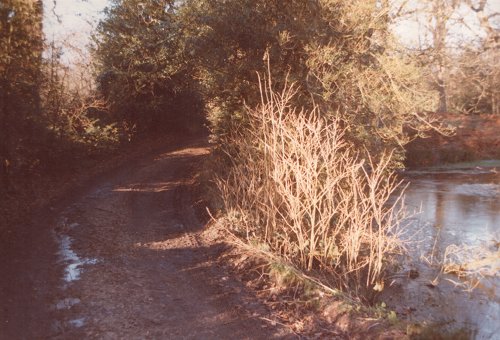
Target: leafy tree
x=339, y=53
x=160, y=55
x=142, y=71
x=21, y=39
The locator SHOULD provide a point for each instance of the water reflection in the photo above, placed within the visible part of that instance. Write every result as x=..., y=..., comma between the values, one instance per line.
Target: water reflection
x=460, y=206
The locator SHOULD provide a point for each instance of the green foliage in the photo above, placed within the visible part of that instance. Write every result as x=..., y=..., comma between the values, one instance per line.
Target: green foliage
x=338, y=53
x=143, y=73
x=163, y=62
x=20, y=59
x=228, y=41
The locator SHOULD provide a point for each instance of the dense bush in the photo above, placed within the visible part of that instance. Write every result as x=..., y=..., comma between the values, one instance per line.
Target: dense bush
x=339, y=53
x=474, y=82
x=142, y=72
x=162, y=63
x=21, y=48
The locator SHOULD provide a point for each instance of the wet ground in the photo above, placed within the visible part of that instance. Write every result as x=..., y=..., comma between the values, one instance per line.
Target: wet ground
x=127, y=259
x=456, y=217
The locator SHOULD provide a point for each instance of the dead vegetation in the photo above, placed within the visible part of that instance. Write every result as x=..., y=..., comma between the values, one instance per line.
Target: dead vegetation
x=470, y=264
x=298, y=301
x=298, y=189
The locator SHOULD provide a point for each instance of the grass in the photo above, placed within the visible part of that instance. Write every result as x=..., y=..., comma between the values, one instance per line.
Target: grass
x=493, y=163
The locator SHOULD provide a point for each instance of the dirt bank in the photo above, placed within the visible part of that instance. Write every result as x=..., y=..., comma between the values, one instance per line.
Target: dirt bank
x=477, y=137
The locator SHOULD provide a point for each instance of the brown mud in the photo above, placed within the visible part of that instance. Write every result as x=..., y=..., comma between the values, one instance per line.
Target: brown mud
x=126, y=258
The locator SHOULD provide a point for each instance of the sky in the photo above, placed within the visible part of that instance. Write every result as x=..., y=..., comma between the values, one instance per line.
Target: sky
x=414, y=32
x=72, y=21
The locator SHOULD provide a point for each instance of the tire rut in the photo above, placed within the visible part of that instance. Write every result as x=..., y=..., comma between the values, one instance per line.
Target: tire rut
x=153, y=277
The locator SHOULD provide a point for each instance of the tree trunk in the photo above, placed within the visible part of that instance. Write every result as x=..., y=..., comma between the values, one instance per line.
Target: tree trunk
x=441, y=87
x=4, y=139
x=439, y=37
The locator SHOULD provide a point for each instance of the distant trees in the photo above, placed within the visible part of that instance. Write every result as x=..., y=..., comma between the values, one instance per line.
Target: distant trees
x=481, y=66
x=21, y=42
x=441, y=12
x=474, y=81
x=76, y=121
x=47, y=121
x=460, y=47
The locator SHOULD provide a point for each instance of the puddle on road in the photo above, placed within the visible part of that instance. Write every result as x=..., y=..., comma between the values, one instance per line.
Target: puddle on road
x=73, y=262
x=67, y=303
x=73, y=267
x=77, y=323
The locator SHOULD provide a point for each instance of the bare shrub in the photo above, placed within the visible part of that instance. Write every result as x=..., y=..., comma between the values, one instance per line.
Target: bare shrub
x=74, y=114
x=298, y=186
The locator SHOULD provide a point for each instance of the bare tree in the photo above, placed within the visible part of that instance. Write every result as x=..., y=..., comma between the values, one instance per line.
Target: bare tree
x=460, y=47
x=492, y=40
x=441, y=13
x=491, y=47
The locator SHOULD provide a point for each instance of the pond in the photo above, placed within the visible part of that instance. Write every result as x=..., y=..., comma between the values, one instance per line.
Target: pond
x=455, y=226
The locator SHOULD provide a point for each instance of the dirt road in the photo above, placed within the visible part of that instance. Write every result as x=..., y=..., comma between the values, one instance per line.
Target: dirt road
x=126, y=260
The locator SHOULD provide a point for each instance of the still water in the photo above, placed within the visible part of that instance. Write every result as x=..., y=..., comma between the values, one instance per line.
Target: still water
x=459, y=206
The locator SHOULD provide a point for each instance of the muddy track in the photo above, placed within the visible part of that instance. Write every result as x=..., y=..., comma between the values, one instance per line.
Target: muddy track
x=126, y=259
